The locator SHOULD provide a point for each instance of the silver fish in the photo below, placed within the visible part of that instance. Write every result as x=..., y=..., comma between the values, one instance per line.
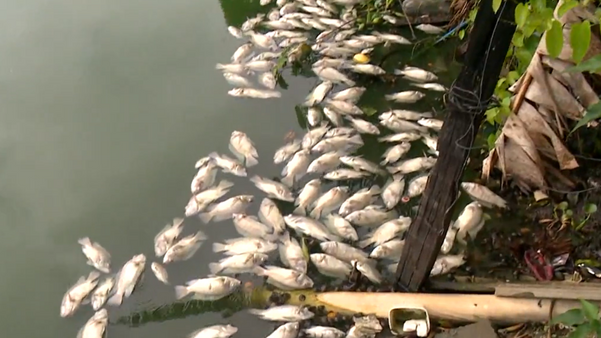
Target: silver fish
x=236, y=68
x=449, y=240
x=412, y=165
x=373, y=39
x=430, y=29
x=255, y=93
x=367, y=69
x=242, y=263
x=160, y=272
x=340, y=131
x=431, y=142
x=444, y=264
x=391, y=249
x=368, y=269
x=363, y=126
x=329, y=201
x=314, y=116
x=333, y=116
x=309, y=227
x=331, y=74
x=417, y=185
x=244, y=148
x=409, y=114
x=352, y=94
x=284, y=313
x=291, y=253
x=314, y=135
x=200, y=201
x=416, y=74
x=431, y=86
x=268, y=80
x=242, y=52
x=243, y=245
x=97, y=256
x=264, y=2
x=341, y=227
x=343, y=251
x=329, y=63
x=410, y=96
x=318, y=93
x=394, y=153
x=251, y=23
x=296, y=168
x=205, y=177
x=277, y=24
x=324, y=332
x=260, y=65
x=210, y=288
x=359, y=200
x=372, y=215
x=224, y=210
x=249, y=226
x=76, y=293
x=215, y=331
x=331, y=266
x=344, y=174
x=393, y=38
x=235, y=32
x=400, y=137
x=270, y=215
x=167, y=236
x=386, y=232
x=286, y=151
x=361, y=164
x=101, y=294
x=343, y=107
x=95, y=327
x=397, y=125
x=469, y=222
x=228, y=164
x=266, y=56
x=431, y=123
x=483, y=195
x=237, y=80
x=272, y=188
x=185, y=248
x=288, y=330
x=261, y=40
x=127, y=279
x=288, y=8
x=307, y=196
x=285, y=279
x=274, y=14
x=393, y=190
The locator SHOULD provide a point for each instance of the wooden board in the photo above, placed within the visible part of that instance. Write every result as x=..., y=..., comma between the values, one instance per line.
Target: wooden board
x=552, y=290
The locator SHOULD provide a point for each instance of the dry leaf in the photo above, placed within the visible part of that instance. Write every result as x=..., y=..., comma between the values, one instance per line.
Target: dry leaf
x=539, y=195
x=537, y=93
x=515, y=130
x=573, y=80
x=518, y=166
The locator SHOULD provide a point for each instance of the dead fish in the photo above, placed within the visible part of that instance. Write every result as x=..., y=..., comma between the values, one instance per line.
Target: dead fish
x=368, y=269
x=307, y=196
x=329, y=63
x=361, y=164
x=483, y=195
x=444, y=264
x=237, y=80
x=285, y=279
x=333, y=116
x=409, y=114
x=329, y=201
x=242, y=245
x=393, y=38
x=286, y=151
x=431, y=123
x=400, y=137
x=325, y=163
x=393, y=190
x=95, y=327
x=339, y=143
x=288, y=330
x=410, y=96
x=205, y=177
x=236, y=68
x=352, y=94
x=235, y=32
x=412, y=165
x=343, y=251
x=270, y=215
x=431, y=86
x=291, y=253
x=200, y=201
x=370, y=216
x=310, y=227
x=430, y=29
x=417, y=185
x=469, y=222
x=244, y=148
x=296, y=168
x=318, y=93
x=344, y=107
x=274, y=14
x=251, y=23
x=242, y=52
x=97, y=256
x=185, y=248
x=397, y=125
x=76, y=293
x=395, y=153
x=215, y=331
x=314, y=135
x=324, y=332
x=284, y=313
x=431, y=143
x=314, y=116
x=449, y=240
x=416, y=74
x=359, y=200
x=255, y=93
x=167, y=236
x=160, y=272
x=341, y=227
x=386, y=232
x=101, y=294
x=391, y=249
x=367, y=68
x=224, y=210
x=331, y=266
x=261, y=40
x=272, y=188
x=208, y=289
x=127, y=279
x=344, y=174
x=363, y=126
x=228, y=164
x=331, y=74
x=236, y=264
x=249, y=226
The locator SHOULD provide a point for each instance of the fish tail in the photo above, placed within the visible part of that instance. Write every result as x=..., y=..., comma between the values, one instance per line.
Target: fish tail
x=219, y=247
x=288, y=180
x=257, y=312
x=116, y=299
x=375, y=189
x=206, y=217
x=300, y=210
x=213, y=155
x=225, y=184
x=215, y=268
x=316, y=213
x=181, y=292
x=251, y=161
x=200, y=236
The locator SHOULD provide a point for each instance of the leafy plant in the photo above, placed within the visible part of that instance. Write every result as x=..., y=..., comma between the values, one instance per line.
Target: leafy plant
x=589, y=210
x=584, y=320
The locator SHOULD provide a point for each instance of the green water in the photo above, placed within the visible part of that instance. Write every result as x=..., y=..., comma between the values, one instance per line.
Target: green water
x=105, y=107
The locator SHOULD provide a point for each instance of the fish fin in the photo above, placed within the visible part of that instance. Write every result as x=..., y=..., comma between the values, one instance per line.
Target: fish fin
x=178, y=222
x=219, y=247
x=93, y=275
x=181, y=292
x=200, y=236
x=251, y=161
x=206, y=217
x=255, y=179
x=224, y=184
x=215, y=268
x=115, y=299
x=375, y=189
x=85, y=241
x=129, y=290
x=288, y=180
x=300, y=211
x=213, y=155
x=285, y=237
x=315, y=213
x=85, y=301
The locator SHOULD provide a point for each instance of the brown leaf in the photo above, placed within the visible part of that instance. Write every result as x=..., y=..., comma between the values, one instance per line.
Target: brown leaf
x=518, y=166
x=573, y=80
x=515, y=130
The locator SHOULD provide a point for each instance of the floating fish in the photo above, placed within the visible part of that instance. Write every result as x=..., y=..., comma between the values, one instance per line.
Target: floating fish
x=284, y=313
x=160, y=272
x=215, y=331
x=483, y=195
x=185, y=248
x=97, y=256
x=210, y=288
x=127, y=279
x=76, y=294
x=243, y=147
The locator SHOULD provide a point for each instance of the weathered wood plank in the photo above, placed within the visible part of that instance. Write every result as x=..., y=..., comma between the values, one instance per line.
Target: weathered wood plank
x=551, y=290
x=484, y=59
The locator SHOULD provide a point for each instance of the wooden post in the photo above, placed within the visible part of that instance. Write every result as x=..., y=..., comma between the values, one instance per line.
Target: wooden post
x=465, y=105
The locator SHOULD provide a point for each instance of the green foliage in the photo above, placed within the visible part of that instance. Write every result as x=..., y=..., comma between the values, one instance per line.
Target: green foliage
x=584, y=321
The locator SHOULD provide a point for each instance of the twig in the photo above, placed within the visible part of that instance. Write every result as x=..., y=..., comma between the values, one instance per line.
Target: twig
x=519, y=98
x=408, y=21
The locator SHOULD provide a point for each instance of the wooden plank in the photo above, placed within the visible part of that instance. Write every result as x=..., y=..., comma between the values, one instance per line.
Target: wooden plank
x=552, y=290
